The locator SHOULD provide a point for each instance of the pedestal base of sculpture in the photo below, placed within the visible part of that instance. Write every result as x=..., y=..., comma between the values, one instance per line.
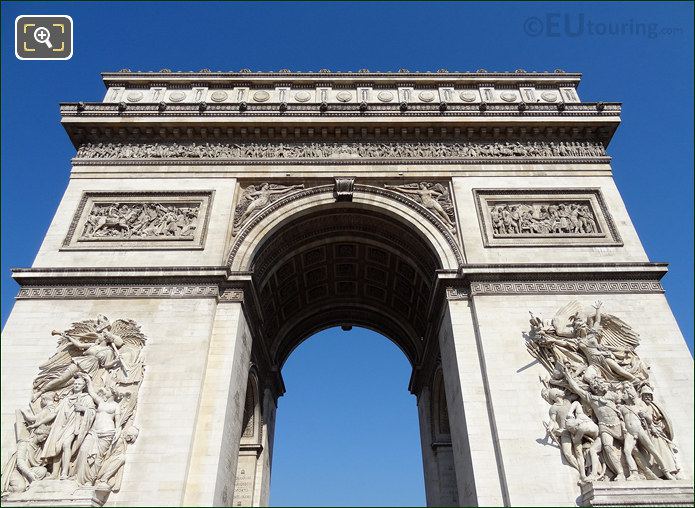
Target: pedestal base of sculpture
x=57, y=493
x=638, y=493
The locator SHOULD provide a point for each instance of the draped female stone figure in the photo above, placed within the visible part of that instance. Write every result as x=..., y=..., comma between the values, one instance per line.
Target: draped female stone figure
x=102, y=436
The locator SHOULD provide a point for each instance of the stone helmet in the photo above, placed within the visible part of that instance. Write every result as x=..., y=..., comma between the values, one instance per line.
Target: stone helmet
x=646, y=390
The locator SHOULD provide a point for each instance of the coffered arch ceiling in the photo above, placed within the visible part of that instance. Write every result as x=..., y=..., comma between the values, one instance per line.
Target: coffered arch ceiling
x=344, y=265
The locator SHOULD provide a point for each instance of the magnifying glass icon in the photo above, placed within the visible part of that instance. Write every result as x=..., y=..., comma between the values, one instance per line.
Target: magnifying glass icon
x=43, y=36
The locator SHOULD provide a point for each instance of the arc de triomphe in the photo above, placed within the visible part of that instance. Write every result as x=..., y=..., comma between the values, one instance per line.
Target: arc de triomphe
x=213, y=221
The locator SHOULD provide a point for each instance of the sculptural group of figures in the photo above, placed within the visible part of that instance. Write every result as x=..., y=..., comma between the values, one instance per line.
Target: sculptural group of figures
x=432, y=196
x=424, y=150
x=538, y=219
x=141, y=220
x=602, y=411
x=81, y=417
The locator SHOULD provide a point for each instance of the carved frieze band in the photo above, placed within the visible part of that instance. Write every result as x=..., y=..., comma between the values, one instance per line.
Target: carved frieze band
x=544, y=217
x=457, y=293
x=230, y=294
x=143, y=291
x=337, y=152
x=140, y=220
x=237, y=294
x=566, y=287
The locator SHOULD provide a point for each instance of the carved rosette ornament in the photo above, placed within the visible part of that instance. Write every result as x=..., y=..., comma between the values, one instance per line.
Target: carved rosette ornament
x=255, y=198
x=603, y=416
x=73, y=436
x=434, y=197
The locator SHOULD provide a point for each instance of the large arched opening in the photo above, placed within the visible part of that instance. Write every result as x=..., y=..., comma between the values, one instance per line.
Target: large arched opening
x=344, y=265
x=374, y=262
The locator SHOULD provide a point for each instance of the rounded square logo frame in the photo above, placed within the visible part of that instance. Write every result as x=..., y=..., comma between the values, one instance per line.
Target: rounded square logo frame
x=21, y=37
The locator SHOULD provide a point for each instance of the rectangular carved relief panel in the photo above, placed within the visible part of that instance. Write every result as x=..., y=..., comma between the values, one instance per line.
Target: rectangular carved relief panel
x=140, y=220
x=544, y=217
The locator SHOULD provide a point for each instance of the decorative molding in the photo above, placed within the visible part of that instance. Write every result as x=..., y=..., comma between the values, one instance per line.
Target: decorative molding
x=645, y=493
x=335, y=162
x=323, y=75
x=352, y=150
x=254, y=449
x=236, y=294
x=457, y=293
x=230, y=294
x=117, y=291
x=305, y=141
x=545, y=218
x=140, y=220
x=533, y=112
x=136, y=271
x=567, y=287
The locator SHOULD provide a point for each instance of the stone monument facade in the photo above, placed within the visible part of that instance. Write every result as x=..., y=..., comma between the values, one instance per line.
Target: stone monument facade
x=215, y=220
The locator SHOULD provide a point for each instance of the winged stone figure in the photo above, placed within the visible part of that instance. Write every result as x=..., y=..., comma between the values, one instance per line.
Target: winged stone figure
x=94, y=347
x=254, y=198
x=593, y=341
x=433, y=196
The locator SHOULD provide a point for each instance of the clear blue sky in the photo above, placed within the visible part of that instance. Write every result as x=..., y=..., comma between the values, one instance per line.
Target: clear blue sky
x=647, y=65
x=347, y=428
